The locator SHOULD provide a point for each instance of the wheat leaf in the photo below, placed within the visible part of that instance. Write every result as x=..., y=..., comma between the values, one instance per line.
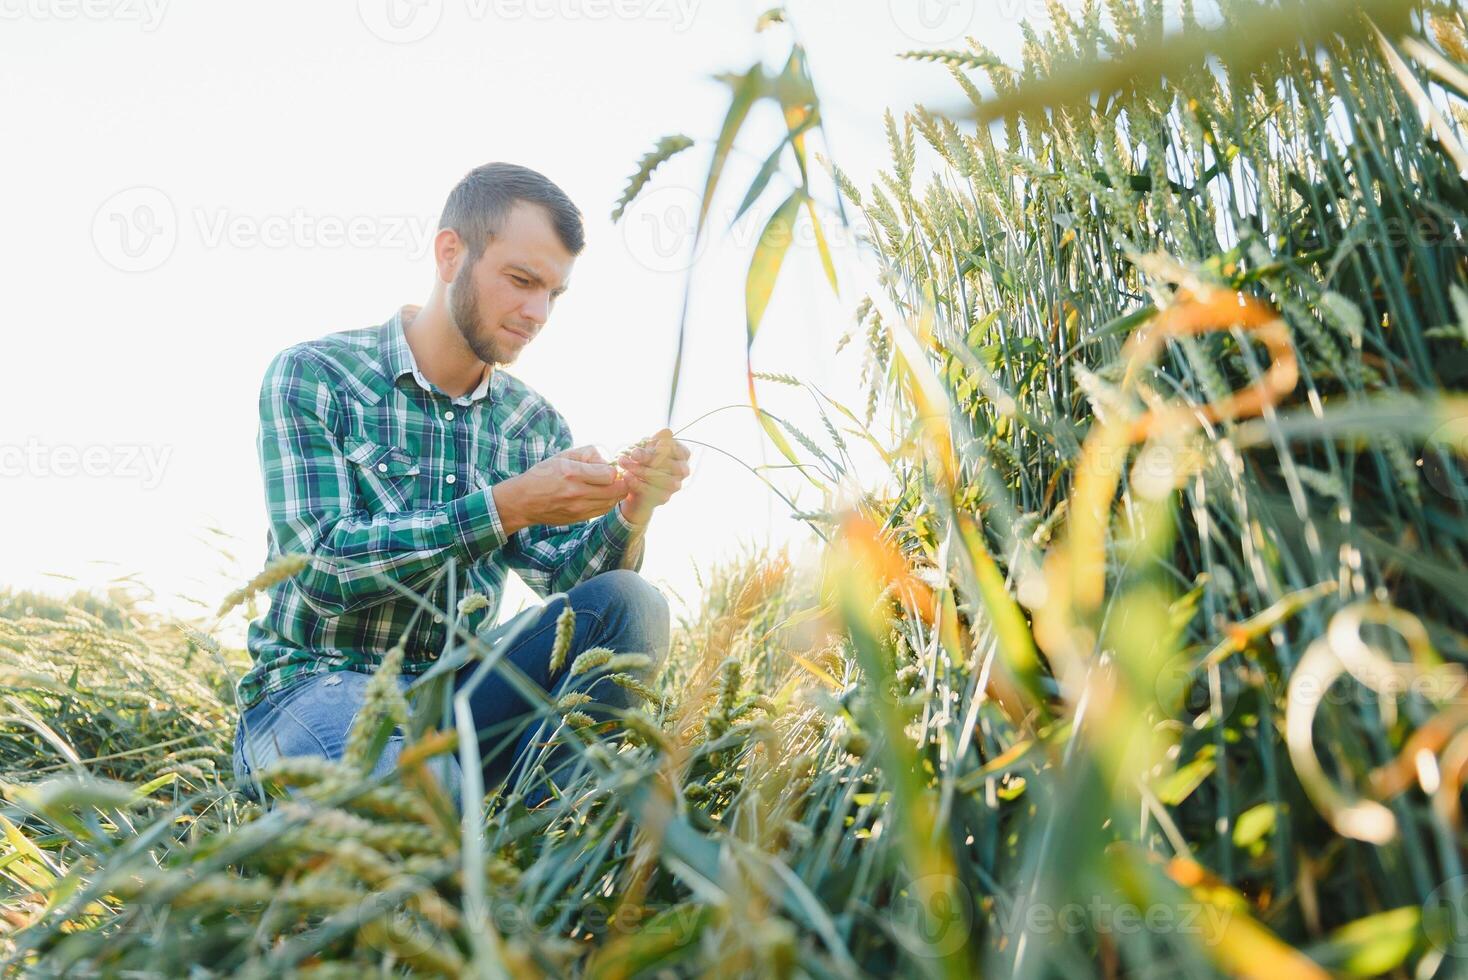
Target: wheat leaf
x=958, y=59
x=764, y=267
x=664, y=150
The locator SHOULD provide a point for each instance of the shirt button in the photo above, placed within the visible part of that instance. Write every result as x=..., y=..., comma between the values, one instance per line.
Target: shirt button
x=449, y=478
x=382, y=467
x=449, y=415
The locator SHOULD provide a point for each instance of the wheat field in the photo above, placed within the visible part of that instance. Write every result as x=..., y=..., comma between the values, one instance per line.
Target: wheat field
x=1144, y=656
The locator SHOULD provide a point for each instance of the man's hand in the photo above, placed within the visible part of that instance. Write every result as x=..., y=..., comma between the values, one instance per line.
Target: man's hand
x=655, y=469
x=572, y=486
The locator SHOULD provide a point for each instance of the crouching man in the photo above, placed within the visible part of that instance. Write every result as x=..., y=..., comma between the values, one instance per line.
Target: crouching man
x=387, y=450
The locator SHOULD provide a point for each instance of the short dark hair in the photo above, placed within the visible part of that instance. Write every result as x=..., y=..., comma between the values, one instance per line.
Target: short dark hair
x=478, y=204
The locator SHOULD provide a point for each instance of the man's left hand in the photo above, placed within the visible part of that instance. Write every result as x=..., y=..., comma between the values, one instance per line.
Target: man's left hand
x=655, y=469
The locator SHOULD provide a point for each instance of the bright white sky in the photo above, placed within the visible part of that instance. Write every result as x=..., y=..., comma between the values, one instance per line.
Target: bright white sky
x=256, y=137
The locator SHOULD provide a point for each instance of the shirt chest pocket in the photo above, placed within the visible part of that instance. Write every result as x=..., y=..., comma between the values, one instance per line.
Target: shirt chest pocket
x=385, y=475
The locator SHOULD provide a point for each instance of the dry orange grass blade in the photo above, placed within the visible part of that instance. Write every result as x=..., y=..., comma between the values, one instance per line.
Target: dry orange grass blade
x=886, y=566
x=1216, y=310
x=1076, y=571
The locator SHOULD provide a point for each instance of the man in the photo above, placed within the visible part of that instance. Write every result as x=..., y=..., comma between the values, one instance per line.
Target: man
x=389, y=451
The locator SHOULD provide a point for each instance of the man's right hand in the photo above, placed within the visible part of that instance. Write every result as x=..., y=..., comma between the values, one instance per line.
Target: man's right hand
x=572, y=486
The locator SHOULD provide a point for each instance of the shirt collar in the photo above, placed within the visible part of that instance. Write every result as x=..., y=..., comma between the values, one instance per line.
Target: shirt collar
x=398, y=359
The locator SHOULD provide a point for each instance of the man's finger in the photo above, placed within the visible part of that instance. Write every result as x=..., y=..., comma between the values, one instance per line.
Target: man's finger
x=655, y=478
x=647, y=487
x=661, y=451
x=668, y=467
x=586, y=454
x=595, y=473
x=603, y=497
x=657, y=440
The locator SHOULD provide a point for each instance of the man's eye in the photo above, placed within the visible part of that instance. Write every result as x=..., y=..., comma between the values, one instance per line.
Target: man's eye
x=520, y=281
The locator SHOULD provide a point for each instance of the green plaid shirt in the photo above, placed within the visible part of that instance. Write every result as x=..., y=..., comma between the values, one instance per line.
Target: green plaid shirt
x=366, y=461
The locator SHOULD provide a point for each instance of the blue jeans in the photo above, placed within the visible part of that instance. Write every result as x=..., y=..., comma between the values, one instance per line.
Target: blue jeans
x=618, y=610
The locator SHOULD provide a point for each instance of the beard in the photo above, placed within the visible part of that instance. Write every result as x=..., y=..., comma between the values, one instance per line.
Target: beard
x=464, y=311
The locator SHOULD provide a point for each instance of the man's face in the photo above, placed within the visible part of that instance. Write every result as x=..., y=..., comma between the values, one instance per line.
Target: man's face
x=500, y=302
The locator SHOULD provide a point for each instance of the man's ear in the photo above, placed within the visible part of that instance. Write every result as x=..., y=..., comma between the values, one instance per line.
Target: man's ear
x=448, y=253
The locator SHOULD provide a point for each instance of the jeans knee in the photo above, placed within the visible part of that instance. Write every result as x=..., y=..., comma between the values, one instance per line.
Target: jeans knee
x=646, y=611
x=444, y=767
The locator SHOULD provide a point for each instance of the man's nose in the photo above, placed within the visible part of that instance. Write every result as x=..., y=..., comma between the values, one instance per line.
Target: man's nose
x=537, y=308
